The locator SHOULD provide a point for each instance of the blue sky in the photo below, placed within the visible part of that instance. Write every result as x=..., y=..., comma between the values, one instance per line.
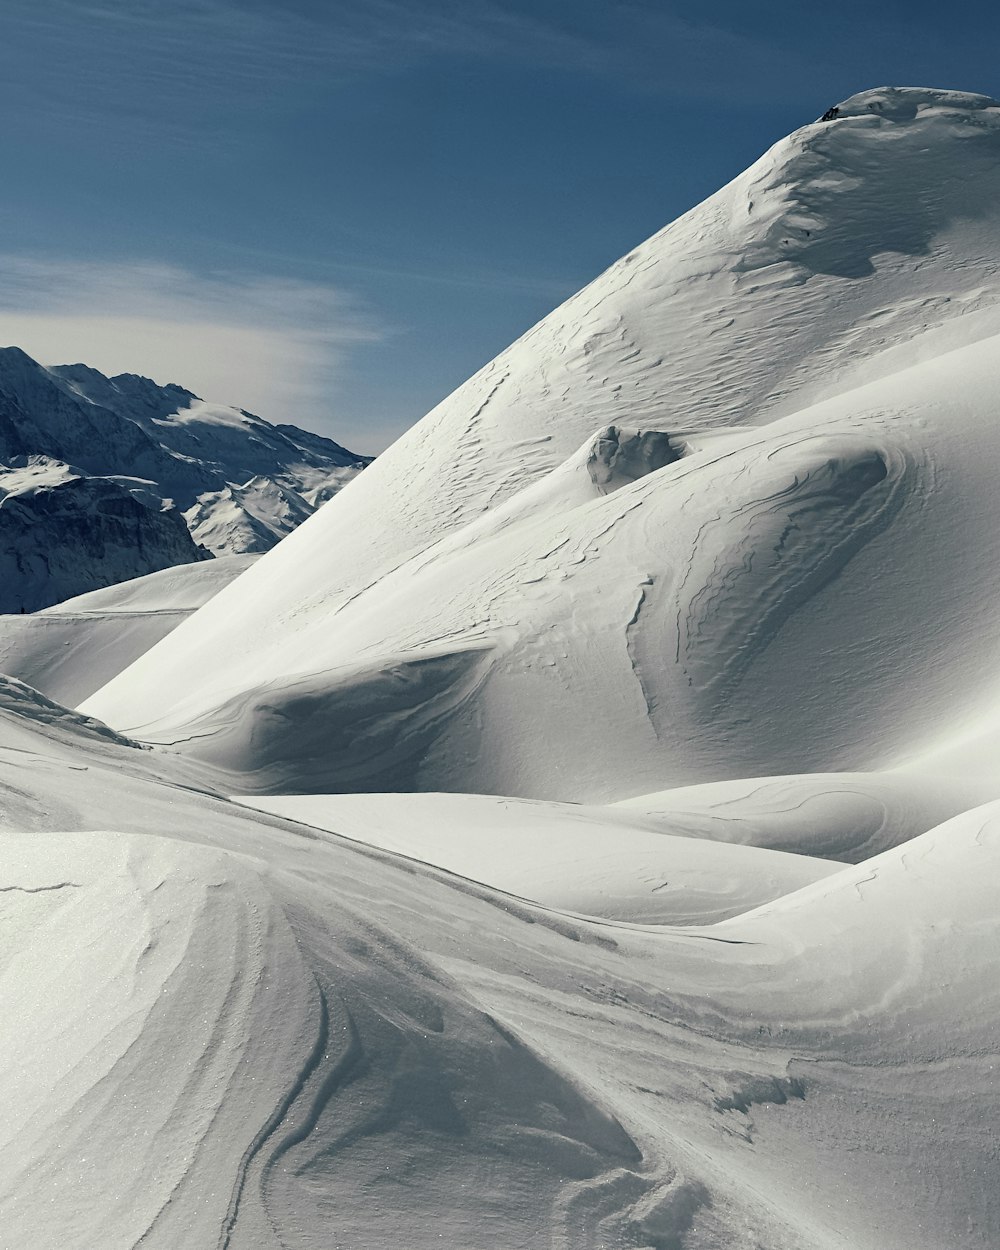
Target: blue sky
x=334, y=212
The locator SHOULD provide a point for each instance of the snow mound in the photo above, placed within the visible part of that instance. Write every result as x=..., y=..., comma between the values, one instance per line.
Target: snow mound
x=19, y=700
x=72, y=649
x=593, y=861
x=216, y=1071
x=180, y=589
x=904, y=104
x=933, y=972
x=743, y=1061
x=840, y=816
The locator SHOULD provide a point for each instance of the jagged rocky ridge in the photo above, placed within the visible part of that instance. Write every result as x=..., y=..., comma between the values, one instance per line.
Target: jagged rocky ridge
x=105, y=479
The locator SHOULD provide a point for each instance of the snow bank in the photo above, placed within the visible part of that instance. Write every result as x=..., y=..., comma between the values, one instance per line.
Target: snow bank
x=593, y=861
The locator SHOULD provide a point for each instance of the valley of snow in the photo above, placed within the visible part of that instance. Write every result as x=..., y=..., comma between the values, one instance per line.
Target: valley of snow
x=581, y=831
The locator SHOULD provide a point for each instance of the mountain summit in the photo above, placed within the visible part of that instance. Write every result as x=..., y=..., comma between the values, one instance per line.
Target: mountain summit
x=814, y=345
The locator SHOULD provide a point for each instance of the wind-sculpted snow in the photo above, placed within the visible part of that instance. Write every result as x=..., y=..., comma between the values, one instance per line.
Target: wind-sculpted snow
x=217, y=1073
x=359, y=728
x=624, y=640
x=728, y=317
x=598, y=861
x=667, y=633
x=807, y=509
x=252, y=1050
x=847, y=817
x=173, y=1006
x=24, y=702
x=619, y=818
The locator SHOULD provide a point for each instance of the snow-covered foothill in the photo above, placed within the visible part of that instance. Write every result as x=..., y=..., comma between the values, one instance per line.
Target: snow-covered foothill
x=327, y=1036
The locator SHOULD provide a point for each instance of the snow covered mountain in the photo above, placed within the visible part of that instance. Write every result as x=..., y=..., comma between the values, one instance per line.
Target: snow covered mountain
x=584, y=831
x=622, y=556
x=105, y=479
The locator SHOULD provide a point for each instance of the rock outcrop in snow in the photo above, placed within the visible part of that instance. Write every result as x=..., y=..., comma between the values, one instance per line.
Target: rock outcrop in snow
x=63, y=531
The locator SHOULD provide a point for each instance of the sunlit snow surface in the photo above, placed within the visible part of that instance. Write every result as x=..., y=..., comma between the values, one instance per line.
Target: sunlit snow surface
x=617, y=831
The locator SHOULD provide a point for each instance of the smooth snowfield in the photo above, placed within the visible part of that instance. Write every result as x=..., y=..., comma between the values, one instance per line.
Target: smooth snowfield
x=615, y=852
x=583, y=860
x=72, y=649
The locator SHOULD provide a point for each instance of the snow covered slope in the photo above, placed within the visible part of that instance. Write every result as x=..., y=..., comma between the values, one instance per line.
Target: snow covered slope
x=595, y=861
x=68, y=651
x=761, y=566
x=704, y=573
x=82, y=448
x=281, y=1037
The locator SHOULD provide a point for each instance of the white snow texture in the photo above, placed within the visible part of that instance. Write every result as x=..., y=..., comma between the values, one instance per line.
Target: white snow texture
x=583, y=830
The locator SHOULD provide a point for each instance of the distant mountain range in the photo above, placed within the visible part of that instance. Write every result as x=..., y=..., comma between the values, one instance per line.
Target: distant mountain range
x=104, y=479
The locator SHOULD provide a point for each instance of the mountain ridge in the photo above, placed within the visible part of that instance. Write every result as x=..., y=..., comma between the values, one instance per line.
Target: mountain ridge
x=185, y=479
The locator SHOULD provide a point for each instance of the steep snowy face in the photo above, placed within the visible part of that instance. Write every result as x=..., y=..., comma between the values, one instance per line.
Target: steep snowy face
x=848, y=238
x=241, y=483
x=606, y=564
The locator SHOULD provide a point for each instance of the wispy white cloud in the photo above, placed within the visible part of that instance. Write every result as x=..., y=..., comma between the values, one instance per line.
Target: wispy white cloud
x=276, y=347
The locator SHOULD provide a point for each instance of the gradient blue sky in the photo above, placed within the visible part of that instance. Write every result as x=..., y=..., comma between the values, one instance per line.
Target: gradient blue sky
x=333, y=213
